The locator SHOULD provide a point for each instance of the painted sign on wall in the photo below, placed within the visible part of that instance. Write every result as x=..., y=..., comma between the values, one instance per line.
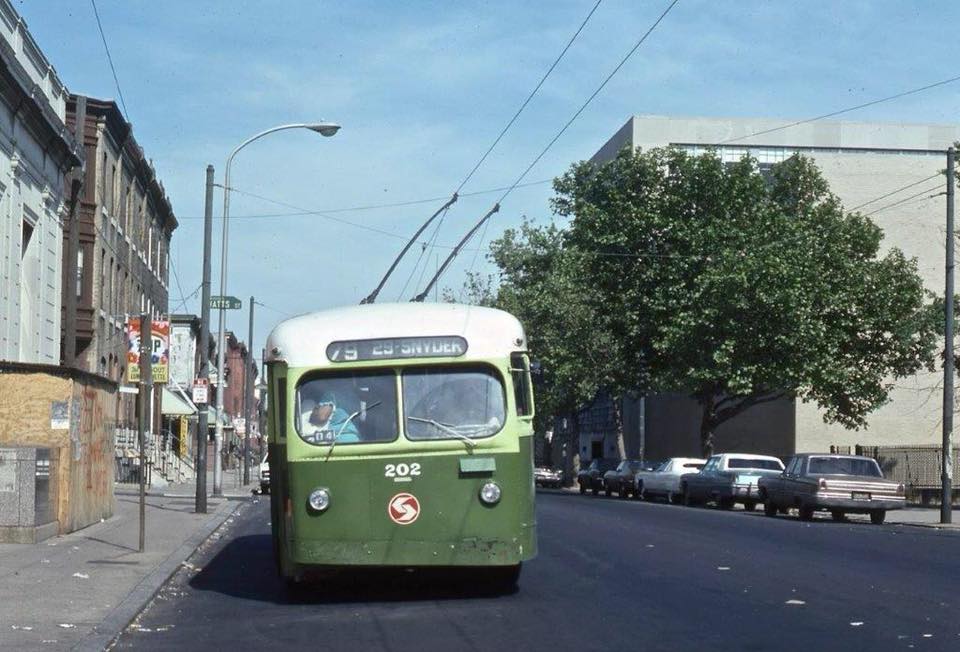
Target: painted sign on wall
x=160, y=356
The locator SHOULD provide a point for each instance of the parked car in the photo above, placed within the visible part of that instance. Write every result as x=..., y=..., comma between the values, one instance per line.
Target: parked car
x=547, y=477
x=591, y=478
x=840, y=484
x=265, y=475
x=728, y=479
x=620, y=479
x=665, y=479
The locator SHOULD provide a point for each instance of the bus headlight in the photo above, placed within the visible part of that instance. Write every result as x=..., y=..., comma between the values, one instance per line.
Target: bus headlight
x=490, y=493
x=319, y=499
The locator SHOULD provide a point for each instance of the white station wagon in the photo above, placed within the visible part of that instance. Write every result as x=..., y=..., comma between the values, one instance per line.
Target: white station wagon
x=665, y=479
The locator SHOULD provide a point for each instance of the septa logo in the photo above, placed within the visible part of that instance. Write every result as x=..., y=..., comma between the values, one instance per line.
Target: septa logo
x=403, y=509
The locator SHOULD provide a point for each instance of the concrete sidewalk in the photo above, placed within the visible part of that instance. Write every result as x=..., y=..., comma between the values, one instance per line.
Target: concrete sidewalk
x=231, y=485
x=80, y=590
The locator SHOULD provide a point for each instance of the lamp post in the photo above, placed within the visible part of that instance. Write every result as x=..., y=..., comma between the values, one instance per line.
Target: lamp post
x=322, y=128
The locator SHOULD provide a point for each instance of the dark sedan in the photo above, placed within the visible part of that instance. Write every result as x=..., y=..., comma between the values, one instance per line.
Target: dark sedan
x=621, y=479
x=591, y=478
x=840, y=484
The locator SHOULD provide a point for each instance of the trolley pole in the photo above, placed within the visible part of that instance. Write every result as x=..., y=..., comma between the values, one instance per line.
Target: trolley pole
x=200, y=502
x=146, y=388
x=248, y=399
x=946, y=463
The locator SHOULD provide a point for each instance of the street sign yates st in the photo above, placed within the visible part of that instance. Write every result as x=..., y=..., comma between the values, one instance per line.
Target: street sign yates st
x=226, y=302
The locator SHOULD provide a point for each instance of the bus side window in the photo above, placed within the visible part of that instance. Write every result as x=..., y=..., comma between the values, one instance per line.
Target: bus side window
x=520, y=374
x=281, y=412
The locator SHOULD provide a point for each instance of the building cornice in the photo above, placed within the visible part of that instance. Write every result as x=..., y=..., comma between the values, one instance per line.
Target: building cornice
x=27, y=100
x=120, y=132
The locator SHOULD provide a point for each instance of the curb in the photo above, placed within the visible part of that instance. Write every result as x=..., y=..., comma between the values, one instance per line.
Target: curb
x=930, y=526
x=110, y=628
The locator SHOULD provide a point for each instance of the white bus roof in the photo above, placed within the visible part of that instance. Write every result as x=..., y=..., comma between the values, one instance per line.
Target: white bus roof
x=302, y=341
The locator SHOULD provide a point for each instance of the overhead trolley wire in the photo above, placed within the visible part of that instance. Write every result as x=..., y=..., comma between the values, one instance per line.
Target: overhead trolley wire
x=368, y=207
x=893, y=192
x=833, y=114
x=103, y=37
x=496, y=206
x=370, y=298
x=529, y=97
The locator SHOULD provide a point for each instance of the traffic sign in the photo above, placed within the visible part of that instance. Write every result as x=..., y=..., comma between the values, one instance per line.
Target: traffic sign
x=226, y=302
x=201, y=387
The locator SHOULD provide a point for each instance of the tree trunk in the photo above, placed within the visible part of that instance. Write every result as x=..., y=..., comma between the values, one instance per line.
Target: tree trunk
x=572, y=455
x=618, y=427
x=707, y=424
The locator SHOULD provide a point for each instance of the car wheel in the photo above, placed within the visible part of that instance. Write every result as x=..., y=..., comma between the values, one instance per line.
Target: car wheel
x=687, y=498
x=769, y=508
x=750, y=505
x=837, y=515
x=877, y=516
x=725, y=503
x=607, y=491
x=583, y=488
x=806, y=513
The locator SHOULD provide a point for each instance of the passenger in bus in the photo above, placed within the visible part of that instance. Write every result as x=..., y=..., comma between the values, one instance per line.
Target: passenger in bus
x=322, y=421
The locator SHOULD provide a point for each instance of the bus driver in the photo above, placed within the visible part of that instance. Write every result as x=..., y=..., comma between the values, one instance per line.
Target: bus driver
x=324, y=421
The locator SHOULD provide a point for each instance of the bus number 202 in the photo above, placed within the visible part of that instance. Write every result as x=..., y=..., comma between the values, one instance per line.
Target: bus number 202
x=401, y=470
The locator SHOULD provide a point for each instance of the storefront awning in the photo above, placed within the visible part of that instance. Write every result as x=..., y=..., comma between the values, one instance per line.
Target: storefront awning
x=173, y=405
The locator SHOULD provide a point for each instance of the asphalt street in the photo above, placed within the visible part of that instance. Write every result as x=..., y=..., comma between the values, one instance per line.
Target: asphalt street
x=611, y=574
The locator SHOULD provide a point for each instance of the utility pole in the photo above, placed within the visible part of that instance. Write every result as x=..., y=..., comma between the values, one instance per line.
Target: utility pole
x=248, y=399
x=203, y=410
x=946, y=464
x=146, y=389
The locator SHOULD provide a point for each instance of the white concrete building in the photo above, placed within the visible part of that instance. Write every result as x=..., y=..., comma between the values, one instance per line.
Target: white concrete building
x=36, y=151
x=891, y=172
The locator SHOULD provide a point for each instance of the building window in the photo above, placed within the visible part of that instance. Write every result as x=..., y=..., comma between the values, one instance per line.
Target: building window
x=26, y=234
x=79, y=273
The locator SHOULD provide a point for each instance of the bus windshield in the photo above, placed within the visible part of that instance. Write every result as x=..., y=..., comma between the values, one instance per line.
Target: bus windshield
x=463, y=402
x=347, y=408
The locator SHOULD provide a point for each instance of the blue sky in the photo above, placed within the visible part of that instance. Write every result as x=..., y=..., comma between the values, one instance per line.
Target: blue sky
x=423, y=88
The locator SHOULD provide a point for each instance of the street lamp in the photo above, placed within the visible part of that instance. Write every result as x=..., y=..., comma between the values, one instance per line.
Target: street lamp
x=324, y=129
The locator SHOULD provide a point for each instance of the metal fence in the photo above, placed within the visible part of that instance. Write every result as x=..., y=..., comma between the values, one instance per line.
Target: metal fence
x=917, y=467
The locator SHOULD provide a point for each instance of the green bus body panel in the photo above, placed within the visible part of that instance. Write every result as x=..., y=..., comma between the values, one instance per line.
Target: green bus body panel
x=453, y=528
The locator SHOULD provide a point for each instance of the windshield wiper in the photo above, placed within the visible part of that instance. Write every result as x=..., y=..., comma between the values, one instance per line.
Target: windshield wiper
x=346, y=422
x=448, y=429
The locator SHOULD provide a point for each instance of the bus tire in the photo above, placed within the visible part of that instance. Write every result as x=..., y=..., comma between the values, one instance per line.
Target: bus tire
x=505, y=578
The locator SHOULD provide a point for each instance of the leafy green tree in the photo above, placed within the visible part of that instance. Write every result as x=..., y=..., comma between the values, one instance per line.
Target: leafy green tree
x=740, y=287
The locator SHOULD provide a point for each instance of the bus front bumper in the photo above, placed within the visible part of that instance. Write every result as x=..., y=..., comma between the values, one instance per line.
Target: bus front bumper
x=466, y=552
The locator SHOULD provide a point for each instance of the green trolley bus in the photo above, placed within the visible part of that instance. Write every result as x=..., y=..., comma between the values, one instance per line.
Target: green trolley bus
x=401, y=435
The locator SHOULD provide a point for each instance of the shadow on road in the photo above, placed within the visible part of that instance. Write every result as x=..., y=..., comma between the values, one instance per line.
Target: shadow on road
x=245, y=568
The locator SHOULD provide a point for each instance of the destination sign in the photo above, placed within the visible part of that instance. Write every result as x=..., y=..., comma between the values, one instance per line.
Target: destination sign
x=396, y=348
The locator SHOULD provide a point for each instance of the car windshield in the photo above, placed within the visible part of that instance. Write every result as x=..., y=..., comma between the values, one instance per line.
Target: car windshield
x=347, y=408
x=750, y=463
x=633, y=467
x=844, y=466
x=453, y=402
